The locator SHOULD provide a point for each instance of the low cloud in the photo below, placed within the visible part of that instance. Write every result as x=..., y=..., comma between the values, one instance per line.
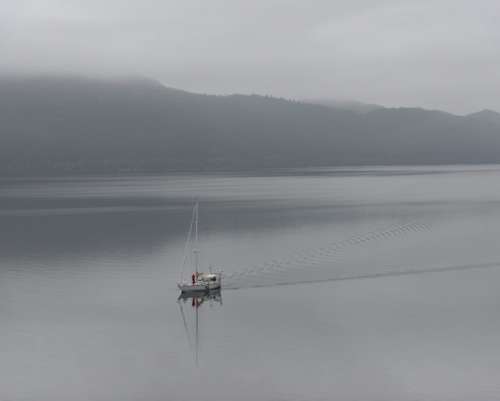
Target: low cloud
x=436, y=54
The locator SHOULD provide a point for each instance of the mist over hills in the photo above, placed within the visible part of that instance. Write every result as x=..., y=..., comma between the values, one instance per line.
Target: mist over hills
x=352, y=105
x=65, y=125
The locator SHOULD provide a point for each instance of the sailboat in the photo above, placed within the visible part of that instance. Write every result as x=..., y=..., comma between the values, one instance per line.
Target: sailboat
x=200, y=281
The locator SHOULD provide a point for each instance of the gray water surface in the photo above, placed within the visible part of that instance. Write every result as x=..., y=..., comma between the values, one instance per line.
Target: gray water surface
x=347, y=284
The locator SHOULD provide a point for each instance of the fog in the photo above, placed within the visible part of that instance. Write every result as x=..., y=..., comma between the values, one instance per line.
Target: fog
x=436, y=54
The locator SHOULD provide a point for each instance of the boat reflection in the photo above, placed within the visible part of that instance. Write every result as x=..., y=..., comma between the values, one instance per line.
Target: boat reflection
x=195, y=300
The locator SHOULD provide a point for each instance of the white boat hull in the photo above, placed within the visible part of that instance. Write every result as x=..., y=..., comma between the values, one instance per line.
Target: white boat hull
x=193, y=287
x=206, y=282
x=197, y=288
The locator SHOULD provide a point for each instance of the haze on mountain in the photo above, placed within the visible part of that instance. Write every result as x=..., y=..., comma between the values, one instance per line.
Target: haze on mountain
x=436, y=54
x=67, y=125
x=353, y=105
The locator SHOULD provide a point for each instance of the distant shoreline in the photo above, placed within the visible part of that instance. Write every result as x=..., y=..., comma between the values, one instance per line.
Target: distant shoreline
x=272, y=171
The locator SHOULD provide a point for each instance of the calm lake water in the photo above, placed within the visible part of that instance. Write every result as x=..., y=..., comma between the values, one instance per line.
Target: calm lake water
x=346, y=284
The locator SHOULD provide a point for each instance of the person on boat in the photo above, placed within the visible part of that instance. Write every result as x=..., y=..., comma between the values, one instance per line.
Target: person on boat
x=193, y=278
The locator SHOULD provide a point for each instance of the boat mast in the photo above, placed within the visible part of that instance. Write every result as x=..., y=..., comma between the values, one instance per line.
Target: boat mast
x=196, y=250
x=187, y=246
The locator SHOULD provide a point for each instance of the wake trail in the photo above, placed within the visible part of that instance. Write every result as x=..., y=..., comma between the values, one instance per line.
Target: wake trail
x=390, y=273
x=278, y=271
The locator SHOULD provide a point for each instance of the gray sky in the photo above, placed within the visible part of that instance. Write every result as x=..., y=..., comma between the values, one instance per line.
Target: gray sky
x=441, y=54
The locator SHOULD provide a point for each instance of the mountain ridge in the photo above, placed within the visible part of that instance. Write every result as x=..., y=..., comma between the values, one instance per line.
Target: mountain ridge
x=85, y=125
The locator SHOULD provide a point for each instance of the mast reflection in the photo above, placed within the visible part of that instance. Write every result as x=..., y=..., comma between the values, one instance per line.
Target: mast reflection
x=195, y=301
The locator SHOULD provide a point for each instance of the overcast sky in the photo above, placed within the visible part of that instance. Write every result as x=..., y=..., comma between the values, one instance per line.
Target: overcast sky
x=441, y=54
